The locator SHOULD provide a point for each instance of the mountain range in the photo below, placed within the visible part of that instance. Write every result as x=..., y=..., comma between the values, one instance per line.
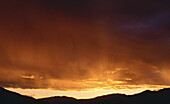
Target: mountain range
x=146, y=97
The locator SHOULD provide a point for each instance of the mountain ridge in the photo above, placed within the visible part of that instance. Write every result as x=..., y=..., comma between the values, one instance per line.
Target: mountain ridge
x=146, y=97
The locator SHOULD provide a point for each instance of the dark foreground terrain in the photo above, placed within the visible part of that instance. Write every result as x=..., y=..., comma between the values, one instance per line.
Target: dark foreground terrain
x=146, y=97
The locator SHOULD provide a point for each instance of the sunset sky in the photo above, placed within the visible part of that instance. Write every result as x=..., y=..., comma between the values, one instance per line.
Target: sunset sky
x=84, y=47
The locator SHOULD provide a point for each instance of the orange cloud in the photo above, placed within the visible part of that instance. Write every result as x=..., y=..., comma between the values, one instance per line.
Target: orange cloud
x=83, y=47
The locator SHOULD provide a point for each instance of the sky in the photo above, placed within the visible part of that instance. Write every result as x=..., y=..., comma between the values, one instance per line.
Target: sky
x=84, y=45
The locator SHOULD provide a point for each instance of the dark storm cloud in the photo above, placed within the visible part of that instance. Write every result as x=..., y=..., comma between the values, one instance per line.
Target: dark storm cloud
x=51, y=44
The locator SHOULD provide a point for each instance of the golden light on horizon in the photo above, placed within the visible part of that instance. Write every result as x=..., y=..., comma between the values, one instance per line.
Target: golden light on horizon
x=87, y=94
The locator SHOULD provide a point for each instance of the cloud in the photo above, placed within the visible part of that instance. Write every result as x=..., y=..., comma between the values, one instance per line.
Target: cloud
x=75, y=45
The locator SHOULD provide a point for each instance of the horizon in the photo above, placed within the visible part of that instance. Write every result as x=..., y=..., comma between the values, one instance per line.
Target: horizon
x=43, y=93
x=147, y=97
x=47, y=93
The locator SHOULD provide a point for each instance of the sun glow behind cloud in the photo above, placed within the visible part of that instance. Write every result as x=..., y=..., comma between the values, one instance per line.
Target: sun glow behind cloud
x=28, y=77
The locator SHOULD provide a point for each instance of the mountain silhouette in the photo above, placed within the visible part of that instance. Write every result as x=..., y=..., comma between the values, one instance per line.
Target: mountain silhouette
x=9, y=97
x=146, y=97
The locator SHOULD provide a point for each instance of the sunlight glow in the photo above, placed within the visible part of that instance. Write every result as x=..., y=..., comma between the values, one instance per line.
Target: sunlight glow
x=91, y=93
